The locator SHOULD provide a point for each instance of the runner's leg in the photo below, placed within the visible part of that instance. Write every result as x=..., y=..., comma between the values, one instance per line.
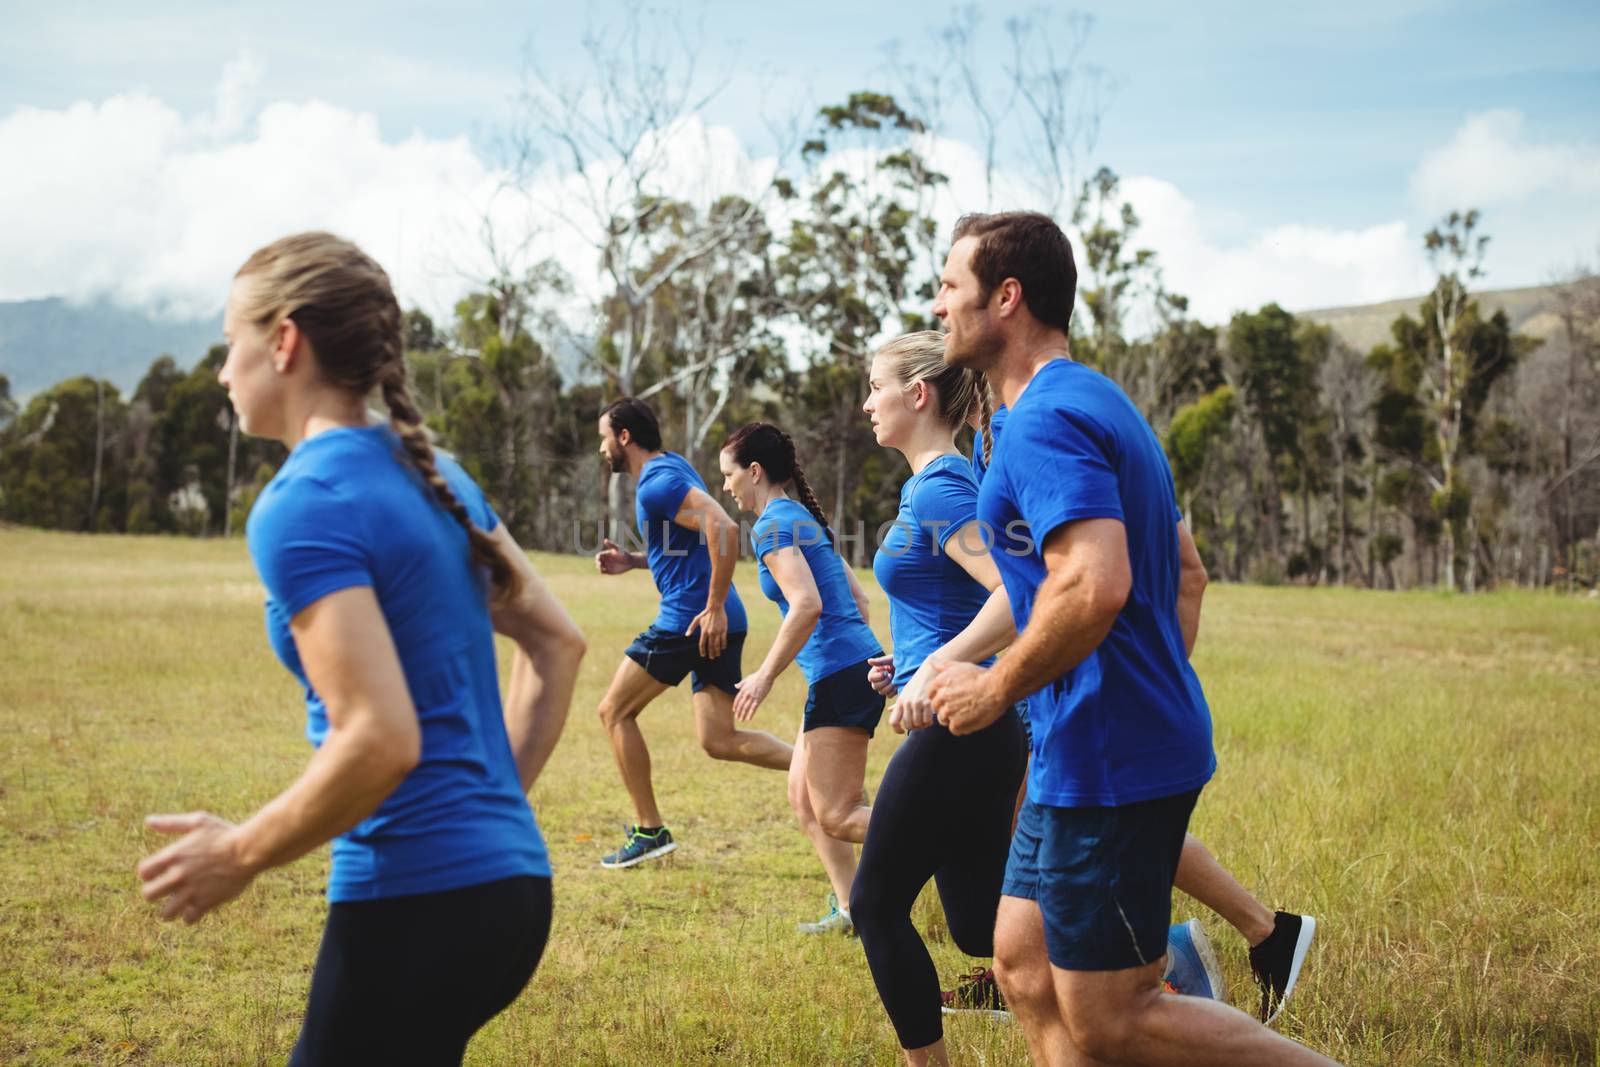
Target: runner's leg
x=835, y=774
x=713, y=724
x=838, y=857
x=632, y=688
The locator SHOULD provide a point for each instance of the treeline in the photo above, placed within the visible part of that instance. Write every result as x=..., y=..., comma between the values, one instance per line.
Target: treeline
x=1457, y=453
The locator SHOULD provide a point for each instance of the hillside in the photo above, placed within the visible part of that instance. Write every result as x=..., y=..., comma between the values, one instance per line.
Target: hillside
x=1532, y=311
x=46, y=341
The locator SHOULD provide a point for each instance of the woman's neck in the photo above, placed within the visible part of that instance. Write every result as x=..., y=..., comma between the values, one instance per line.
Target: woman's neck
x=927, y=444
x=320, y=410
x=767, y=494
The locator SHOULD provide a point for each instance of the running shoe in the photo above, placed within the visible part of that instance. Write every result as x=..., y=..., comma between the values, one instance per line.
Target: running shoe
x=975, y=992
x=835, y=921
x=1277, y=961
x=639, y=847
x=1191, y=964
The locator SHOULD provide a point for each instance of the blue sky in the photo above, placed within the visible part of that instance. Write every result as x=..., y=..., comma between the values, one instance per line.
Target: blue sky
x=1236, y=123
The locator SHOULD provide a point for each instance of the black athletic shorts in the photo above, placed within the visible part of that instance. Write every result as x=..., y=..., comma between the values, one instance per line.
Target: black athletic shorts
x=409, y=980
x=844, y=698
x=667, y=657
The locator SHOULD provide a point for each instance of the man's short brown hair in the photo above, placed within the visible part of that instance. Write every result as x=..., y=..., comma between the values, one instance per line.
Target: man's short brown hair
x=1031, y=248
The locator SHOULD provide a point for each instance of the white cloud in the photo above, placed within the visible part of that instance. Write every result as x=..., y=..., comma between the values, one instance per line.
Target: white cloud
x=1539, y=198
x=1298, y=266
x=130, y=199
x=1491, y=162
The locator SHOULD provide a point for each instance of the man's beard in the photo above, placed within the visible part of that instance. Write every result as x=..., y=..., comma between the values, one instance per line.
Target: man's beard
x=617, y=461
x=979, y=352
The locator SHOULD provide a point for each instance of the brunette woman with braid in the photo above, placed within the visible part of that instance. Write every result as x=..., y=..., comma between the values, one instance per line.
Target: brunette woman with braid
x=387, y=576
x=824, y=630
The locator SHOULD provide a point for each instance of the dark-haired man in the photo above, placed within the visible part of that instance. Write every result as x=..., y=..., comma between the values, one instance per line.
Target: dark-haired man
x=691, y=548
x=1106, y=613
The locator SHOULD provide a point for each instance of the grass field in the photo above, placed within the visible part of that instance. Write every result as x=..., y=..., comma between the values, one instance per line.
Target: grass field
x=1419, y=771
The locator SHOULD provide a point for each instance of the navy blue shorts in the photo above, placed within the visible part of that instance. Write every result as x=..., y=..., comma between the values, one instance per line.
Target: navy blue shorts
x=844, y=698
x=1027, y=723
x=1102, y=878
x=667, y=657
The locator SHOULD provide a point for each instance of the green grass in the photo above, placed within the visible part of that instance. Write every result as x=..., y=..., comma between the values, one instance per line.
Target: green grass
x=1417, y=770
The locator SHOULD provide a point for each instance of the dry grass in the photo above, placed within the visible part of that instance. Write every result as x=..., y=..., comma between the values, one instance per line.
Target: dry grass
x=1419, y=771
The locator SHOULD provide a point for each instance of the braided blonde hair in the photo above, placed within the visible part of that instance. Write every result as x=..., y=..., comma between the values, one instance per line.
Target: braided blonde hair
x=342, y=301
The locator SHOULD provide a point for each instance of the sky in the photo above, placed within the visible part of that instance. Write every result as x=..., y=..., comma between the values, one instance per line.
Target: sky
x=1284, y=152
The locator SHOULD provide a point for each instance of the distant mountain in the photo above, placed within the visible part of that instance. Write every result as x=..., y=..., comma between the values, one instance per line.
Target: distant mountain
x=43, y=342
x=1532, y=311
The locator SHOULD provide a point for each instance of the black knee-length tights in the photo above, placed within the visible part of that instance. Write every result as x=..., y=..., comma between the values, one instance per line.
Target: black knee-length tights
x=943, y=811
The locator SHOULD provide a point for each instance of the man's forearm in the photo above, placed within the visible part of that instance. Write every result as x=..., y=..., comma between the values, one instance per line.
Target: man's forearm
x=1189, y=595
x=1068, y=623
x=723, y=544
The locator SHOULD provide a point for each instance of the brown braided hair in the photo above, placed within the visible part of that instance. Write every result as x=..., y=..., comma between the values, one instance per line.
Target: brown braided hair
x=985, y=417
x=342, y=301
x=766, y=444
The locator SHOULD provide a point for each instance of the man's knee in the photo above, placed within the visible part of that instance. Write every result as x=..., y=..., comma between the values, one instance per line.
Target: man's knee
x=1097, y=1032
x=1023, y=972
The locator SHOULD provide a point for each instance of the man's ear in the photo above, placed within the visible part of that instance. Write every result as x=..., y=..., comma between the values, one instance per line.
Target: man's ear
x=623, y=436
x=1010, y=292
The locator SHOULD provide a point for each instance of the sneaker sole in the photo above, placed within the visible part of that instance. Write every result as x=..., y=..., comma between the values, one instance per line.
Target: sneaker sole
x=992, y=1013
x=1208, y=961
x=652, y=854
x=1308, y=930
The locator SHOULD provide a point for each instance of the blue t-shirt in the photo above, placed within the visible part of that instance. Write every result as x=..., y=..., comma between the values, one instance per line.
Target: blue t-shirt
x=841, y=638
x=996, y=420
x=347, y=510
x=1130, y=722
x=931, y=597
x=680, y=562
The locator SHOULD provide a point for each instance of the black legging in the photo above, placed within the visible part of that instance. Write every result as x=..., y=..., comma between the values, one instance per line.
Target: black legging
x=943, y=811
x=409, y=980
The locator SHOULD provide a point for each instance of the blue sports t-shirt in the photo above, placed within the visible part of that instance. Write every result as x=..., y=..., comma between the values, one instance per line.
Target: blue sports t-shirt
x=347, y=510
x=680, y=563
x=931, y=597
x=1130, y=722
x=996, y=420
x=840, y=639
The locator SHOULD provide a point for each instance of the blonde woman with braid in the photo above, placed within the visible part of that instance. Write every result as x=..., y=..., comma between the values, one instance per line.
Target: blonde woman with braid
x=825, y=631
x=387, y=576
x=943, y=810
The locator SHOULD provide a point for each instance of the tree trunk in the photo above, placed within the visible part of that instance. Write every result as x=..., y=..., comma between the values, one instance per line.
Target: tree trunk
x=99, y=450
x=233, y=454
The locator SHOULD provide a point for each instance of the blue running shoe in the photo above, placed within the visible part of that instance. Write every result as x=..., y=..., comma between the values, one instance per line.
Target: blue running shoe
x=836, y=921
x=639, y=847
x=1191, y=964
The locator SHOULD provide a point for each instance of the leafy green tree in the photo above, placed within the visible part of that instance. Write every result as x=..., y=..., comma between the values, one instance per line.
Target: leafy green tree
x=853, y=269
x=51, y=454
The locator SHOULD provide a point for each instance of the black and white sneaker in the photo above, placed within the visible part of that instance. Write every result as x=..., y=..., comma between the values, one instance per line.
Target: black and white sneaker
x=641, y=846
x=1277, y=961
